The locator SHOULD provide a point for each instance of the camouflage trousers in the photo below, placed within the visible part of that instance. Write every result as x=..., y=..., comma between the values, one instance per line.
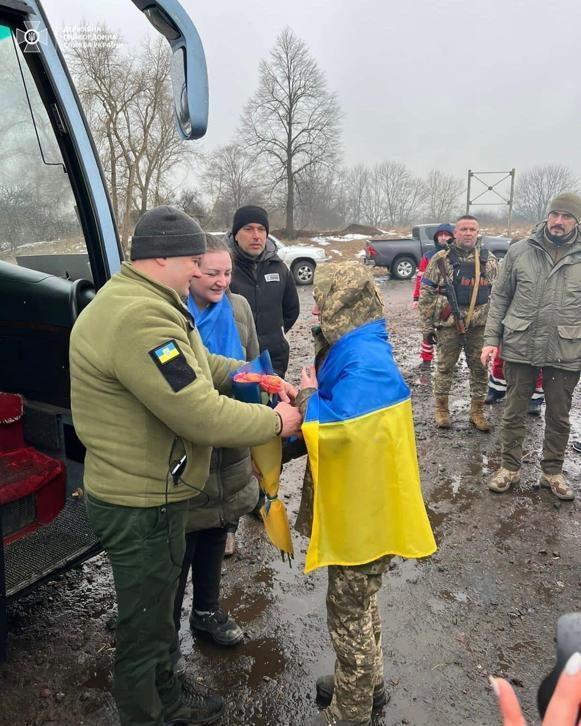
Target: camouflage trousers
x=450, y=344
x=355, y=630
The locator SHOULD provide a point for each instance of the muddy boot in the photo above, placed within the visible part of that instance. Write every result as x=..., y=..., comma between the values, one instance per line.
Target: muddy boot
x=442, y=415
x=477, y=415
x=559, y=485
x=220, y=625
x=197, y=706
x=326, y=686
x=503, y=479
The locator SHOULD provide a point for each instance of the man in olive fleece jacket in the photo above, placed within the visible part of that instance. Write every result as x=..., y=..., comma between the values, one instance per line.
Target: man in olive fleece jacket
x=144, y=400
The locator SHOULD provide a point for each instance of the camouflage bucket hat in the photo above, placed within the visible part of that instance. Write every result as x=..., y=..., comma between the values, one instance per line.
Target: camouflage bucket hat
x=322, y=283
x=347, y=297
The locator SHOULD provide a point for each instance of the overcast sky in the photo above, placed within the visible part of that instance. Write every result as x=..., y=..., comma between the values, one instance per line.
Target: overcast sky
x=448, y=84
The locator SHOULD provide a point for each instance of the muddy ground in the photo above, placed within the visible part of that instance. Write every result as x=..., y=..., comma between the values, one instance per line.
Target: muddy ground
x=486, y=603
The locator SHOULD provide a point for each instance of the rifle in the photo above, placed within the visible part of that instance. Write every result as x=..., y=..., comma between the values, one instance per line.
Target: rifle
x=450, y=294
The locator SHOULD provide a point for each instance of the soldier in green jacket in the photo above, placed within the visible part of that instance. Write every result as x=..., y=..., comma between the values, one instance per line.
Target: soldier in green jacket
x=535, y=320
x=147, y=404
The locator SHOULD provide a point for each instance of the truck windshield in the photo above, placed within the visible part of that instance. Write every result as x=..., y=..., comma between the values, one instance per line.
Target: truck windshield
x=39, y=227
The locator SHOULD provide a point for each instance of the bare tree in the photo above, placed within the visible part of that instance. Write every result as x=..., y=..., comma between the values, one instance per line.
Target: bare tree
x=292, y=121
x=357, y=183
x=372, y=202
x=442, y=193
x=402, y=193
x=537, y=186
x=319, y=198
x=128, y=99
x=233, y=178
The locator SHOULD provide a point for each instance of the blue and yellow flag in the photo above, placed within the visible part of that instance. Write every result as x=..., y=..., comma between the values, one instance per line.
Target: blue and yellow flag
x=360, y=437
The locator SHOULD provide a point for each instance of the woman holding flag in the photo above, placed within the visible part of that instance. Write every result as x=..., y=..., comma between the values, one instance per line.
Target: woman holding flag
x=225, y=323
x=366, y=500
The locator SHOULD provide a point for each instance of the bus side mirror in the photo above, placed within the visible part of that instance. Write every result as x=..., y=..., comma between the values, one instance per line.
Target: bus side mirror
x=188, y=64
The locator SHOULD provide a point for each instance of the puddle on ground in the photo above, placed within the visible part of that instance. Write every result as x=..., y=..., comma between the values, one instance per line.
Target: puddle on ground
x=100, y=680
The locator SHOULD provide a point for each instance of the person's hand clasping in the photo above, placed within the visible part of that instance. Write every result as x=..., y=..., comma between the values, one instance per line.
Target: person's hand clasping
x=563, y=707
x=288, y=392
x=291, y=419
x=309, y=377
x=489, y=353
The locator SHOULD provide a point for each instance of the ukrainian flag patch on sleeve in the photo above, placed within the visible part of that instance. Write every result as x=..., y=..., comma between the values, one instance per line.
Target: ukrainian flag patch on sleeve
x=173, y=365
x=166, y=352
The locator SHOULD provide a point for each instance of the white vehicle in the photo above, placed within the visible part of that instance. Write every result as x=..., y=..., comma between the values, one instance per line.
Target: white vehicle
x=302, y=260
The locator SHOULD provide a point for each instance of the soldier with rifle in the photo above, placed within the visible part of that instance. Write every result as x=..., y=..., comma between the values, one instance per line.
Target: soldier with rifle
x=453, y=308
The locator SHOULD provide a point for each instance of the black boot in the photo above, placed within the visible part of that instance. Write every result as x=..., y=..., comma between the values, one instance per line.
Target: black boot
x=326, y=686
x=196, y=707
x=494, y=396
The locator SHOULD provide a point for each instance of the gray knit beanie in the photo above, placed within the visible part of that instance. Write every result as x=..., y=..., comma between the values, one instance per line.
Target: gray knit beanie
x=566, y=202
x=167, y=232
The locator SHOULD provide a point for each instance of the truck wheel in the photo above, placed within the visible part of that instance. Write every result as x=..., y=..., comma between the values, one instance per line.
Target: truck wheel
x=303, y=272
x=403, y=268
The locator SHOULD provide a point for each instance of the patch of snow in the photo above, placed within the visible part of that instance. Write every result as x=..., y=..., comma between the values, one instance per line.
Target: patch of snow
x=340, y=254
x=344, y=238
x=361, y=253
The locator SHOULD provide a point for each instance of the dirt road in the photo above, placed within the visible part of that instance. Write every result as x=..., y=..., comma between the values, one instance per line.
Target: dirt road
x=486, y=603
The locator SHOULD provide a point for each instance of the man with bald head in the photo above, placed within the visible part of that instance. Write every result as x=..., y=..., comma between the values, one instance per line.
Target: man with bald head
x=535, y=317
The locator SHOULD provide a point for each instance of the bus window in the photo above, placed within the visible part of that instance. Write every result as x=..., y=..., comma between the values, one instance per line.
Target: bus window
x=39, y=226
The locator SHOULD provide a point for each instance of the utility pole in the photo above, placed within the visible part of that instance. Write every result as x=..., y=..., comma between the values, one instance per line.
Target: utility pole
x=491, y=191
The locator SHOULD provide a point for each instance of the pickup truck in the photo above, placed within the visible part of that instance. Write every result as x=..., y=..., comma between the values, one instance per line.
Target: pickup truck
x=402, y=255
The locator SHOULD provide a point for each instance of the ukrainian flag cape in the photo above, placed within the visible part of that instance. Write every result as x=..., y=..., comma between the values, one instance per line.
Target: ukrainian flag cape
x=360, y=437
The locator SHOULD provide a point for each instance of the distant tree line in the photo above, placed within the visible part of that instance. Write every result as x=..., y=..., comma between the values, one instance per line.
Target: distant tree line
x=285, y=154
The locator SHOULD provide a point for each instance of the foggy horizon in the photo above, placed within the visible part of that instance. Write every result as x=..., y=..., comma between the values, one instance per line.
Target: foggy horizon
x=486, y=86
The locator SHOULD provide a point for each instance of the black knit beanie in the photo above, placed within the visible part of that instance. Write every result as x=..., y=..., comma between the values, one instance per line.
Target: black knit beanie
x=167, y=232
x=247, y=215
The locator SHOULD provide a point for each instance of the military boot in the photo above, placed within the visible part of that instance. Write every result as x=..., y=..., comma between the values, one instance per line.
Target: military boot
x=324, y=718
x=503, y=479
x=442, y=414
x=197, y=706
x=477, y=415
x=326, y=687
x=559, y=485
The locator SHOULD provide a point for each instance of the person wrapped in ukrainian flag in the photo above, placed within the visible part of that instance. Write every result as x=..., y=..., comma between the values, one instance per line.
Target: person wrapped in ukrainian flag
x=362, y=500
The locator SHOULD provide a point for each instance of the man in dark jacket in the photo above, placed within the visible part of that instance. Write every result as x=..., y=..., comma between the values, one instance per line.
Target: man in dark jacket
x=265, y=281
x=535, y=315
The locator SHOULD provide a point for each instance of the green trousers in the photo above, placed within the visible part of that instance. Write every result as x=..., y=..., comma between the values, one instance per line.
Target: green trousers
x=450, y=344
x=559, y=385
x=146, y=547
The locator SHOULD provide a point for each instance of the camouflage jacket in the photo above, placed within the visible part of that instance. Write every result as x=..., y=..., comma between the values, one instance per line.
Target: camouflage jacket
x=432, y=302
